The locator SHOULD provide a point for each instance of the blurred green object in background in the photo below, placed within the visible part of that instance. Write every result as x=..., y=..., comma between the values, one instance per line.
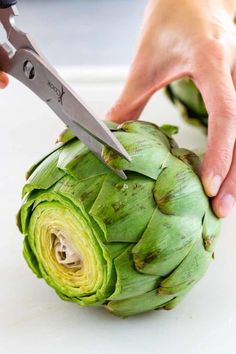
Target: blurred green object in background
x=185, y=95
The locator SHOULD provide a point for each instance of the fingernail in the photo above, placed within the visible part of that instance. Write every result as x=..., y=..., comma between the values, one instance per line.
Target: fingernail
x=226, y=204
x=214, y=185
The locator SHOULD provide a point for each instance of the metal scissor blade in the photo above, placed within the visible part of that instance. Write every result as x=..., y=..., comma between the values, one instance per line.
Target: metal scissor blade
x=42, y=83
x=23, y=60
x=38, y=75
x=93, y=145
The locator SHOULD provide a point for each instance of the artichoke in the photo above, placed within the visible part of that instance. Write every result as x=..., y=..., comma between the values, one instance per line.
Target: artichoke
x=130, y=246
x=185, y=95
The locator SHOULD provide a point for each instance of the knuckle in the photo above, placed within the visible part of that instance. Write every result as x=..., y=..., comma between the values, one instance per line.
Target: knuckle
x=222, y=125
x=224, y=155
x=216, y=48
x=225, y=113
x=230, y=120
x=219, y=158
x=210, y=51
x=224, y=163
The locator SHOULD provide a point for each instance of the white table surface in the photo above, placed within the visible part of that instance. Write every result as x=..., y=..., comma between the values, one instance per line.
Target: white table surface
x=33, y=320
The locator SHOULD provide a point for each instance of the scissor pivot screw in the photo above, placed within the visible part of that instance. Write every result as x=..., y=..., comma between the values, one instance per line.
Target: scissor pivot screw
x=29, y=69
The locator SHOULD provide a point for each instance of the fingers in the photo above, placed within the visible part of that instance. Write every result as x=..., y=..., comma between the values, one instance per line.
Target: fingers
x=145, y=78
x=134, y=97
x=153, y=67
x=225, y=199
x=3, y=80
x=220, y=99
x=140, y=85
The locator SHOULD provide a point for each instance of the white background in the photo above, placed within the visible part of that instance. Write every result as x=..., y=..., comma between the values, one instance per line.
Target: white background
x=33, y=320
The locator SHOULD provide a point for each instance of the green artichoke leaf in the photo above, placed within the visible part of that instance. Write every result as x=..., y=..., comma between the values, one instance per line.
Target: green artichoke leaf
x=165, y=243
x=65, y=136
x=187, y=98
x=187, y=92
x=147, y=129
x=112, y=125
x=211, y=230
x=31, y=258
x=26, y=210
x=82, y=193
x=76, y=160
x=169, y=130
x=130, y=282
x=138, y=304
x=141, y=148
x=45, y=175
x=36, y=164
x=178, y=191
x=174, y=302
x=189, y=158
x=124, y=208
x=115, y=249
x=191, y=269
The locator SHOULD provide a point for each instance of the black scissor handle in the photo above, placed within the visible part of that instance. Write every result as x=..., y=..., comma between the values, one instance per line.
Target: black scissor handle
x=7, y=3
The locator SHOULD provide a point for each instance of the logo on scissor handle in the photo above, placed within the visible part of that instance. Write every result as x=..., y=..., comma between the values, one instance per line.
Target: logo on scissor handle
x=59, y=92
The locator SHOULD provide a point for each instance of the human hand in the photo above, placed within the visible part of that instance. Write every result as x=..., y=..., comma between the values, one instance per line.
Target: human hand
x=198, y=40
x=3, y=80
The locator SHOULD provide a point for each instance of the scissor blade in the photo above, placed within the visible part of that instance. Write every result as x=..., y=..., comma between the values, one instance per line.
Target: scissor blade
x=39, y=83
x=49, y=86
x=93, y=145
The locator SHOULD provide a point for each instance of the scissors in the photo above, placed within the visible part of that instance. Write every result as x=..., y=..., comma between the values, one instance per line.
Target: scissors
x=20, y=58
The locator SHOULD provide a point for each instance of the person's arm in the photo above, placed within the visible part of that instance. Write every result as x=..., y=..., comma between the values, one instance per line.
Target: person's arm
x=3, y=80
x=195, y=39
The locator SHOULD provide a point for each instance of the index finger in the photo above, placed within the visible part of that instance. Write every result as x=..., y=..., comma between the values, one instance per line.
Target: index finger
x=218, y=92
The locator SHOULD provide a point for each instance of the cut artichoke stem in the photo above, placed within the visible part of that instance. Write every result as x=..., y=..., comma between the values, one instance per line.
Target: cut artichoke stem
x=64, y=252
x=70, y=258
